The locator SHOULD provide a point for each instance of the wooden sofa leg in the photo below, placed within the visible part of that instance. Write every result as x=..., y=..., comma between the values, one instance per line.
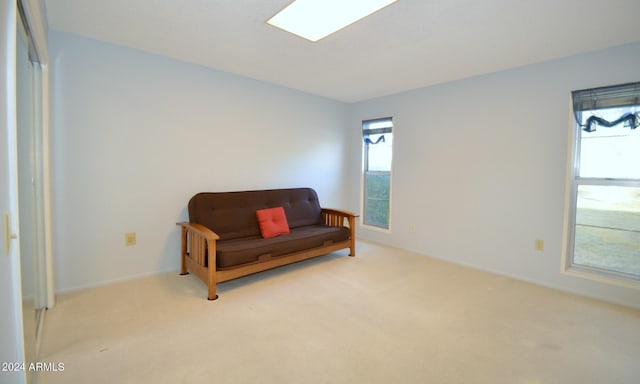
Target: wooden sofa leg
x=211, y=270
x=183, y=255
x=212, y=292
x=352, y=226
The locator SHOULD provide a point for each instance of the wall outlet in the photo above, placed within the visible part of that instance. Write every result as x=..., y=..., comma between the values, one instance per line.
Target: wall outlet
x=539, y=245
x=130, y=238
x=412, y=228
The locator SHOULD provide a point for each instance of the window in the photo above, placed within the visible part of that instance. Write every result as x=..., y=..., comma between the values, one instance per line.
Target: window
x=605, y=187
x=378, y=142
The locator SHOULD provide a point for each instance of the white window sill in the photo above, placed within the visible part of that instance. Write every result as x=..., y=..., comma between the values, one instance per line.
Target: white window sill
x=602, y=276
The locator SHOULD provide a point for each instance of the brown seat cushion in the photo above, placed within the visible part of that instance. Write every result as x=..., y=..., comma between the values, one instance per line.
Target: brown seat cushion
x=250, y=249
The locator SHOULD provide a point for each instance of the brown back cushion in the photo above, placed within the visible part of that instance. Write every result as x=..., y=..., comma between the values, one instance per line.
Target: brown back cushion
x=233, y=214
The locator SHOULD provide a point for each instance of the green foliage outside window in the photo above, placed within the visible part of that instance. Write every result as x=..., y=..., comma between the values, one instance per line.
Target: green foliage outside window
x=377, y=199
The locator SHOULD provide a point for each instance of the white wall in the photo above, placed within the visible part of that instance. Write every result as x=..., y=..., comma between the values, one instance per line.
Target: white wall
x=480, y=166
x=134, y=136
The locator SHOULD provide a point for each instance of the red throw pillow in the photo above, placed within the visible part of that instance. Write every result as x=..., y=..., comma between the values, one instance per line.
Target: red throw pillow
x=273, y=222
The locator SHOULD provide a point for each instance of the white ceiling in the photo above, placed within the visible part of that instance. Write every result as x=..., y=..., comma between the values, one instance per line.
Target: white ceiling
x=408, y=45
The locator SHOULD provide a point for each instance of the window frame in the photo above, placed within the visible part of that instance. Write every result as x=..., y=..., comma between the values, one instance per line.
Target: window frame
x=575, y=181
x=366, y=172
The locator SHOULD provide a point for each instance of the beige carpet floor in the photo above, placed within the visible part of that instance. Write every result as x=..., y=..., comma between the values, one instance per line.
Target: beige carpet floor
x=385, y=316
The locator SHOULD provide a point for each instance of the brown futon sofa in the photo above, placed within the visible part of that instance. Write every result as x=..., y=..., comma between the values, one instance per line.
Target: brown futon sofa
x=231, y=234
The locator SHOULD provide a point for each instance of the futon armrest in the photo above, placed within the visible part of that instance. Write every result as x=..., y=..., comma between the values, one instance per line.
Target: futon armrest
x=336, y=217
x=200, y=229
x=338, y=212
x=199, y=253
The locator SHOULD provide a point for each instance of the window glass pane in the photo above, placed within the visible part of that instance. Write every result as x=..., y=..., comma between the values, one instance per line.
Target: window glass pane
x=607, y=231
x=377, y=186
x=379, y=155
x=611, y=152
x=377, y=124
x=378, y=144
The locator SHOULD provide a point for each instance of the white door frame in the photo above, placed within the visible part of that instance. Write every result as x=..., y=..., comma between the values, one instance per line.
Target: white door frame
x=11, y=326
x=11, y=329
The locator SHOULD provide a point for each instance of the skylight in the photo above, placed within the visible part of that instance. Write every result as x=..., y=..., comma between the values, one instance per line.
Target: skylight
x=316, y=19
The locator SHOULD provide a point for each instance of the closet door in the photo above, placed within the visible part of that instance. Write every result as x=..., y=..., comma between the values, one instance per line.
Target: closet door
x=30, y=190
